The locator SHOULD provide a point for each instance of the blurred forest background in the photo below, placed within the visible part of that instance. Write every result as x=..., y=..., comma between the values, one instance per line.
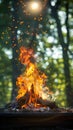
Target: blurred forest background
x=50, y=34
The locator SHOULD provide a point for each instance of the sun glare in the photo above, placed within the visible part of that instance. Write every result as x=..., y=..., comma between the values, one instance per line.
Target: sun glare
x=34, y=7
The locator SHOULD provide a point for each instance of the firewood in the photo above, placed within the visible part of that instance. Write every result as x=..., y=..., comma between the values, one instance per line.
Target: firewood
x=23, y=100
x=51, y=104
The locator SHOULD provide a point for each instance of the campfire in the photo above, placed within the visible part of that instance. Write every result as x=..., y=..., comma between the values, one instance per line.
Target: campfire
x=33, y=94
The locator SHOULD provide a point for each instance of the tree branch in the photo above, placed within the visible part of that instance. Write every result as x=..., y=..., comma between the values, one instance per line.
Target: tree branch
x=67, y=23
x=71, y=53
x=54, y=13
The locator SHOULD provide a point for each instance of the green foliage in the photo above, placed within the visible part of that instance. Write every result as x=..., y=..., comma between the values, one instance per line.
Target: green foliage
x=5, y=60
x=5, y=77
x=4, y=6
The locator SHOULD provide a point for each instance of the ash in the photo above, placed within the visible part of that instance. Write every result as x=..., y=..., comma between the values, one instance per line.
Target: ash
x=13, y=107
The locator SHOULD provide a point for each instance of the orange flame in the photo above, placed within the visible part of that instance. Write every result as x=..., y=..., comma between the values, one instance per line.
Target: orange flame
x=31, y=82
x=26, y=55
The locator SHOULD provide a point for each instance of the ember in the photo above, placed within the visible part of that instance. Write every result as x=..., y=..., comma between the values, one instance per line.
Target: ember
x=32, y=91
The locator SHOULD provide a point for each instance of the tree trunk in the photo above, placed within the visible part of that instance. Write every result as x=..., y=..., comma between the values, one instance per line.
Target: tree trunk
x=67, y=77
x=66, y=64
x=65, y=56
x=15, y=64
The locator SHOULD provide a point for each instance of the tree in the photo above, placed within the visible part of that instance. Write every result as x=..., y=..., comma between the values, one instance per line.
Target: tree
x=5, y=59
x=15, y=47
x=65, y=45
x=5, y=77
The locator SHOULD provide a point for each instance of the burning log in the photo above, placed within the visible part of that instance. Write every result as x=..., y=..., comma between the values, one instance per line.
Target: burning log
x=23, y=100
x=48, y=103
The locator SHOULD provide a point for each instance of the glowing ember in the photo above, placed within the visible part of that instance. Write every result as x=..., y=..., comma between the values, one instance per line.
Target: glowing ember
x=32, y=82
